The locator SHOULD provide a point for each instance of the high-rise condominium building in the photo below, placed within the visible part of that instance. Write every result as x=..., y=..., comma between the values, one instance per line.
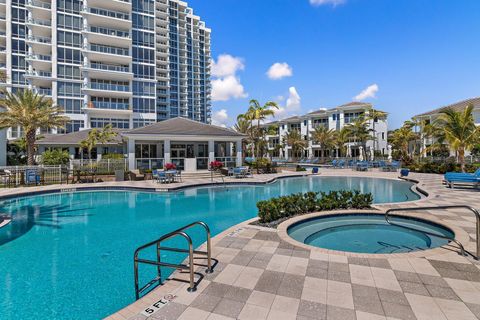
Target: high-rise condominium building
x=125, y=62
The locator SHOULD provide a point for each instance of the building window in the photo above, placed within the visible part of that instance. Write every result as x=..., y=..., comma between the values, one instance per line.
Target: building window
x=69, y=89
x=70, y=106
x=138, y=123
x=71, y=126
x=116, y=123
x=145, y=151
x=143, y=105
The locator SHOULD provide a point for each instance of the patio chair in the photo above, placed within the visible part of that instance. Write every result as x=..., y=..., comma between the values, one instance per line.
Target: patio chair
x=135, y=175
x=239, y=172
x=341, y=164
x=315, y=170
x=230, y=172
x=178, y=176
x=334, y=163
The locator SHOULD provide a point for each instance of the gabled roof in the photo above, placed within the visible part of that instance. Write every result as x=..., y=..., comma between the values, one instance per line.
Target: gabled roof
x=355, y=104
x=74, y=138
x=459, y=106
x=183, y=127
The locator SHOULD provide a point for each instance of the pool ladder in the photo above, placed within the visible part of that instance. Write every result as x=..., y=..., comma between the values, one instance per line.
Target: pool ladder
x=190, y=266
x=462, y=249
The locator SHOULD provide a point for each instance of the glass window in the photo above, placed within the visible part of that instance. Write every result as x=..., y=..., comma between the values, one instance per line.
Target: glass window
x=70, y=106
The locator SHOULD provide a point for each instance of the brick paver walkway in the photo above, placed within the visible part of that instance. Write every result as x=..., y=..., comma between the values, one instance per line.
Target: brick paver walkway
x=260, y=276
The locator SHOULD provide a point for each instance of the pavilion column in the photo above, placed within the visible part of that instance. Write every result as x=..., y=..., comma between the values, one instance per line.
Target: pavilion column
x=239, y=153
x=166, y=149
x=131, y=154
x=211, y=150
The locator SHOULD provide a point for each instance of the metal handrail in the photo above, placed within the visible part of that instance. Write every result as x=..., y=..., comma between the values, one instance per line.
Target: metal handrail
x=475, y=211
x=159, y=263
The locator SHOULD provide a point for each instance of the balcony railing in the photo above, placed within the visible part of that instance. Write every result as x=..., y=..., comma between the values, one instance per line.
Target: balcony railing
x=40, y=22
x=39, y=57
x=110, y=32
x=109, y=50
x=109, y=67
x=45, y=74
x=46, y=40
x=39, y=4
x=108, y=13
x=108, y=87
x=109, y=105
x=44, y=91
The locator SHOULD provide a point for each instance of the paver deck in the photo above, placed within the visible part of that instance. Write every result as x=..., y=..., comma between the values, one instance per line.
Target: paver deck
x=262, y=276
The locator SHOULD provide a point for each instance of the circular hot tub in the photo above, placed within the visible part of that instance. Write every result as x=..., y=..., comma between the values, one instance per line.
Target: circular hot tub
x=370, y=233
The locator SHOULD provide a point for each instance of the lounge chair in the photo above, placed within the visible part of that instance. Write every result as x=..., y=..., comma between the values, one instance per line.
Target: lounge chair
x=341, y=164
x=452, y=178
x=334, y=163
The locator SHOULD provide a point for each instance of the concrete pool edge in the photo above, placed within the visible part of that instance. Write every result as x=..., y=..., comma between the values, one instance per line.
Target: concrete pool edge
x=460, y=234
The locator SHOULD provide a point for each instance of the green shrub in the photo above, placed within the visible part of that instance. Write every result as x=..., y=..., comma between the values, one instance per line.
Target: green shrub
x=301, y=203
x=113, y=156
x=449, y=165
x=55, y=157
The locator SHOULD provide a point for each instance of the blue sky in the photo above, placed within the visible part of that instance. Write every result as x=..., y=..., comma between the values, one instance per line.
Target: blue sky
x=409, y=55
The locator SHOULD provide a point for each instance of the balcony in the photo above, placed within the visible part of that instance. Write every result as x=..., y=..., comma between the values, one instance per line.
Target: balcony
x=107, y=108
x=107, y=17
x=102, y=89
x=113, y=5
x=109, y=71
x=109, y=36
x=40, y=26
x=39, y=5
x=109, y=54
x=40, y=78
x=44, y=91
x=40, y=61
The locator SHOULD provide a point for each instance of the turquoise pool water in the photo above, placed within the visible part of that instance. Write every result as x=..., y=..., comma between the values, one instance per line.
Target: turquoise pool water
x=369, y=234
x=69, y=256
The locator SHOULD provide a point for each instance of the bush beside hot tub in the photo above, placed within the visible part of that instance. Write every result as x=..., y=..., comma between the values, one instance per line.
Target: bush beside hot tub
x=297, y=204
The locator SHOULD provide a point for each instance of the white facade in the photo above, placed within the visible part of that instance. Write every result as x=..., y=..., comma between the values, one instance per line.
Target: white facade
x=128, y=63
x=335, y=119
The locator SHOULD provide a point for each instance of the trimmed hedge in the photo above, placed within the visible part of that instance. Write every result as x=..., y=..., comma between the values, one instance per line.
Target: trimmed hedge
x=295, y=204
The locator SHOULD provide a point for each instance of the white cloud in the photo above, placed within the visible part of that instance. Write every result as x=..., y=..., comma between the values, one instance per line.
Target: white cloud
x=224, y=89
x=220, y=118
x=292, y=106
x=226, y=65
x=279, y=71
x=369, y=92
x=327, y=2
x=226, y=84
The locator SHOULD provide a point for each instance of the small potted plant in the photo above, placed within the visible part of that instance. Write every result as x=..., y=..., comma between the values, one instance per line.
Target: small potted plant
x=216, y=165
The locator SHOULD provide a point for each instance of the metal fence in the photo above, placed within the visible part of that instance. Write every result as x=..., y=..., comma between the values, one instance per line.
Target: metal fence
x=104, y=166
x=12, y=176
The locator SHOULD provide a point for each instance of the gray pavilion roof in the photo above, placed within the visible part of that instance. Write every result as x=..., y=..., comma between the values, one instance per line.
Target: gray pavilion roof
x=458, y=106
x=183, y=127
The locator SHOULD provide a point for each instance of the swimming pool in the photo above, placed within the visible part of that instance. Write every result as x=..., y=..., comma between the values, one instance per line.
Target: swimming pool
x=69, y=255
x=370, y=233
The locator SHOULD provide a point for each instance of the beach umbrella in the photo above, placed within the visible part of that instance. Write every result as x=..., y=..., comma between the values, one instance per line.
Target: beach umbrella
x=360, y=157
x=372, y=154
x=349, y=151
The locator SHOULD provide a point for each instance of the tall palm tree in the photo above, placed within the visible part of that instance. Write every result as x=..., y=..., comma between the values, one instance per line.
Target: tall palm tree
x=325, y=138
x=460, y=131
x=294, y=139
x=32, y=112
x=244, y=126
x=257, y=113
x=98, y=137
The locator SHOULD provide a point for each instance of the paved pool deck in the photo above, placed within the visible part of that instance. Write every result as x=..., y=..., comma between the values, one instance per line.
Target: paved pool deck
x=263, y=275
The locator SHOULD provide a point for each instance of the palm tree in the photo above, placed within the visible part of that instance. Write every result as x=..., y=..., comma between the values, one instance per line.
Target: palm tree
x=325, y=138
x=460, y=131
x=96, y=137
x=401, y=139
x=341, y=139
x=373, y=116
x=258, y=113
x=32, y=112
x=359, y=132
x=244, y=126
x=294, y=140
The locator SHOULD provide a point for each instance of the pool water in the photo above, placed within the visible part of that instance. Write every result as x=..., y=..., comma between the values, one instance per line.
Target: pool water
x=70, y=255
x=362, y=233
